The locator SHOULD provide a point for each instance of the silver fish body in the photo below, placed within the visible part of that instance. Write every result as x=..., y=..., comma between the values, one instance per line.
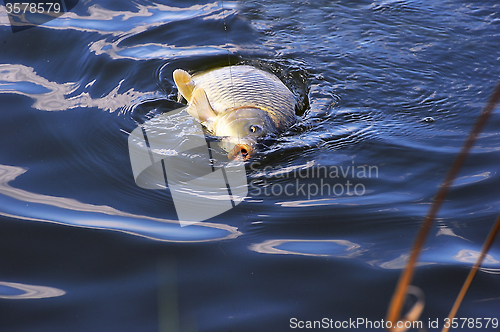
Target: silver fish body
x=239, y=104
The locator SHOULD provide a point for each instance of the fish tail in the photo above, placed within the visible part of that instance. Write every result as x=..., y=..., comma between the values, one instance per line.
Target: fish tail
x=184, y=84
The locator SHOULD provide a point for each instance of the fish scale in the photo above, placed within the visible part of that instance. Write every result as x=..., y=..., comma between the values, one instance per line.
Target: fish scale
x=237, y=86
x=239, y=104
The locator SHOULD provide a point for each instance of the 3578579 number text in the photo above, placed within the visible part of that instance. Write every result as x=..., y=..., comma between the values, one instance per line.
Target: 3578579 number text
x=33, y=8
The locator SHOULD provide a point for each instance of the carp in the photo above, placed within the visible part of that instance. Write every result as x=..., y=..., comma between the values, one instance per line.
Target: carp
x=239, y=104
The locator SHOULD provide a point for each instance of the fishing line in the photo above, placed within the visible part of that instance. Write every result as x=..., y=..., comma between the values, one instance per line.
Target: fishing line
x=229, y=60
x=223, y=169
x=228, y=51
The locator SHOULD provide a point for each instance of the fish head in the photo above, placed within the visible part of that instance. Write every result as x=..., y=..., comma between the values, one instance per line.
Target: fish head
x=240, y=130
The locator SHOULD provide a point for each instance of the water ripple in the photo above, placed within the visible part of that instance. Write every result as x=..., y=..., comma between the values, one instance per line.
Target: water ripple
x=17, y=291
x=22, y=204
x=319, y=248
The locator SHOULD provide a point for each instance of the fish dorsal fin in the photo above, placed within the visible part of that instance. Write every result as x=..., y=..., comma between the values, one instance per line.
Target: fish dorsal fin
x=184, y=84
x=199, y=106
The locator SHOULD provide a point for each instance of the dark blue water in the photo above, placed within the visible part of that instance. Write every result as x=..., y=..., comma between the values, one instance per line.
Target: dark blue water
x=387, y=89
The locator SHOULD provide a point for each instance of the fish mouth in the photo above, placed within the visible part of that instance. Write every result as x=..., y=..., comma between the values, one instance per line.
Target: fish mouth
x=241, y=151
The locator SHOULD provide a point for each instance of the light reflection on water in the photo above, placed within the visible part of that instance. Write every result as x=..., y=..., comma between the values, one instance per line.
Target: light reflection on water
x=372, y=73
x=119, y=26
x=17, y=291
x=355, y=200
x=74, y=213
x=365, y=253
x=320, y=248
x=445, y=256
x=471, y=256
x=52, y=96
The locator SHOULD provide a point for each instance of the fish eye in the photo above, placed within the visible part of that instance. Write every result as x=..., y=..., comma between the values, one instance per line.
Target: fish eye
x=255, y=129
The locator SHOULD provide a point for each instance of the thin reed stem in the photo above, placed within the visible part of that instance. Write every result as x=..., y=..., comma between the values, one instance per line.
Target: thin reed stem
x=399, y=296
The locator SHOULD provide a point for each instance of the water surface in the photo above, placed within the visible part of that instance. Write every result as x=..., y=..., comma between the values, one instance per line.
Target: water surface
x=387, y=91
